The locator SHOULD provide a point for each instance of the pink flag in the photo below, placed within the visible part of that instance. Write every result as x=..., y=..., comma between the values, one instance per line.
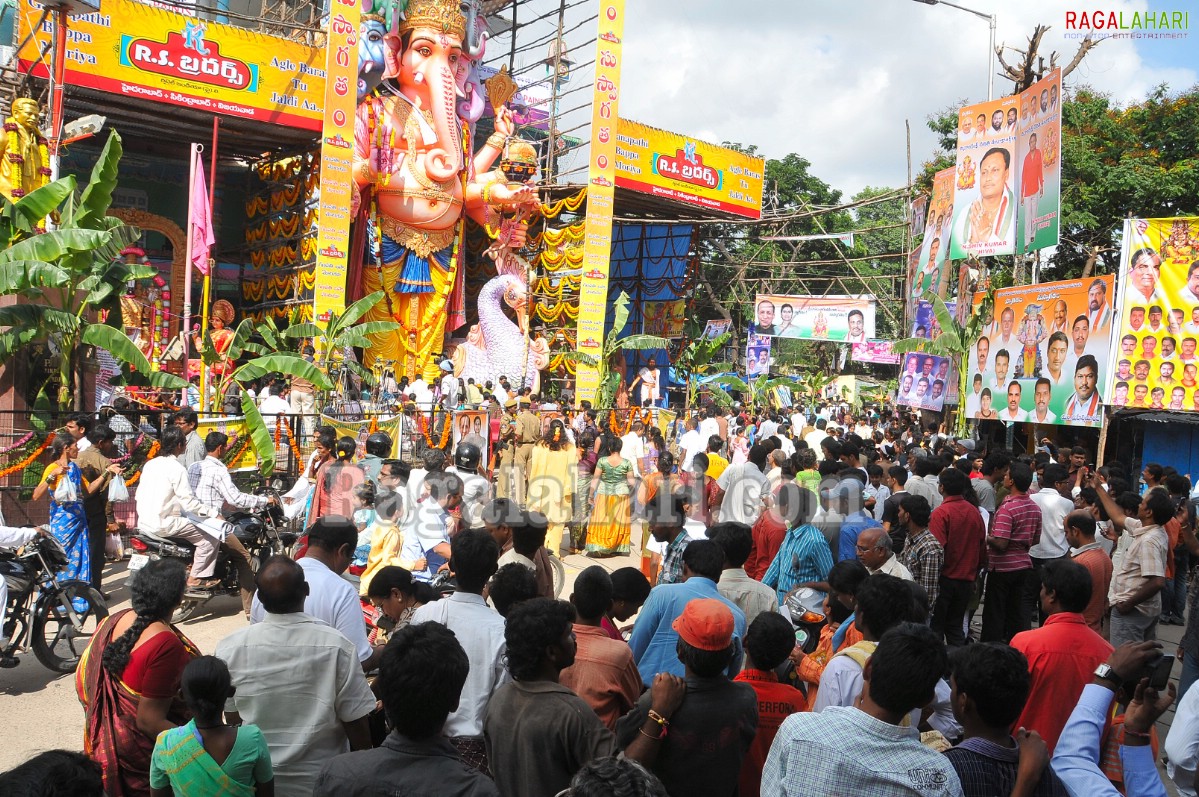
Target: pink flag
x=201, y=220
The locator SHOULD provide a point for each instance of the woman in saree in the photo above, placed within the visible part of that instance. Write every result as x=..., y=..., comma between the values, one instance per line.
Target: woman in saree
x=703, y=486
x=611, y=487
x=662, y=479
x=128, y=679
x=552, y=481
x=588, y=452
x=207, y=757
x=64, y=482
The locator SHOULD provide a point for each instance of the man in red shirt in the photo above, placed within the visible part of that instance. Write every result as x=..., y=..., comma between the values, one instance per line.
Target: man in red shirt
x=1032, y=188
x=958, y=526
x=1063, y=653
x=768, y=642
x=604, y=673
x=1080, y=535
x=1016, y=528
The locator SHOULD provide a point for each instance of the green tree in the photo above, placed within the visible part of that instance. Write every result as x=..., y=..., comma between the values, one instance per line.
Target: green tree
x=74, y=276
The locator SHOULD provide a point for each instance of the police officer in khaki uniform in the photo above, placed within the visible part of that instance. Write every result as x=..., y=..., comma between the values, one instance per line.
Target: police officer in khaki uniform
x=528, y=432
x=507, y=446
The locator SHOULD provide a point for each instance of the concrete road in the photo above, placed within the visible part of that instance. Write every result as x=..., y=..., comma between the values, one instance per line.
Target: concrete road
x=40, y=711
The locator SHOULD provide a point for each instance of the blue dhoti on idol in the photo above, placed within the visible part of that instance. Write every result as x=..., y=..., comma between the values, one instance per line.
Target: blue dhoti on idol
x=415, y=256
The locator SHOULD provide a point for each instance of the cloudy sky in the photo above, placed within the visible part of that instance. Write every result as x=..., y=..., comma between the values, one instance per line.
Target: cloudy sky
x=834, y=81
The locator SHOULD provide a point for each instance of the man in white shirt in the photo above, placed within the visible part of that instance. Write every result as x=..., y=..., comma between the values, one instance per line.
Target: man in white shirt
x=709, y=425
x=331, y=599
x=77, y=426
x=193, y=452
x=798, y=421
x=480, y=630
x=276, y=403
x=449, y=384
x=744, y=489
x=298, y=680
x=427, y=528
x=213, y=486
x=1012, y=411
x=164, y=494
x=690, y=444
x=1055, y=503
x=1041, y=394
x=815, y=438
x=632, y=446
x=476, y=491
x=974, y=400
x=875, y=552
x=769, y=426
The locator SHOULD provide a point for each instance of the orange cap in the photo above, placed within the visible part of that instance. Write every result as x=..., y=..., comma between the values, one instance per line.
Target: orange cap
x=706, y=624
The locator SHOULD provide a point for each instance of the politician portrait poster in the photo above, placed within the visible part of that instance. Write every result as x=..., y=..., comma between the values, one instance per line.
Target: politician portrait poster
x=1043, y=357
x=1154, y=348
x=1038, y=156
x=984, y=200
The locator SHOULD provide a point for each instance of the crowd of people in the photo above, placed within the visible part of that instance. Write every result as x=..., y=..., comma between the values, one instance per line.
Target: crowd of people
x=984, y=623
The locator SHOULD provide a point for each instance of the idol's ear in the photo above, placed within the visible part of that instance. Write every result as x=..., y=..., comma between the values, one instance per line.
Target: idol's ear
x=393, y=47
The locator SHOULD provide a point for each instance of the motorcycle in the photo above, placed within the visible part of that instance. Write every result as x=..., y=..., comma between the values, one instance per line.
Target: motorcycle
x=806, y=611
x=42, y=611
x=263, y=533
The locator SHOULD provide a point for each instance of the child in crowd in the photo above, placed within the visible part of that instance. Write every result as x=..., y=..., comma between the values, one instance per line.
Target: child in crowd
x=363, y=497
x=206, y=756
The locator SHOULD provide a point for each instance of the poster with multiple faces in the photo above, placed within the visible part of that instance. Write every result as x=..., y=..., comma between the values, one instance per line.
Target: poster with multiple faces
x=1044, y=354
x=984, y=200
x=757, y=355
x=924, y=381
x=472, y=426
x=1039, y=170
x=1007, y=187
x=1154, y=350
x=845, y=319
x=934, y=249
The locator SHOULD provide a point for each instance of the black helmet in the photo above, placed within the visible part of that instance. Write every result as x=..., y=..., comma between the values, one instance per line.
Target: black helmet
x=379, y=445
x=467, y=457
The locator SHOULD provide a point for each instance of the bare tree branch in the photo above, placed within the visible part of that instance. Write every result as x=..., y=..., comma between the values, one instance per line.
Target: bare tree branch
x=1088, y=44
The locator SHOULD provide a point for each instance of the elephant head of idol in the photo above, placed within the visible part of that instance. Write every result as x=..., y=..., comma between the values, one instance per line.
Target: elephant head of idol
x=423, y=61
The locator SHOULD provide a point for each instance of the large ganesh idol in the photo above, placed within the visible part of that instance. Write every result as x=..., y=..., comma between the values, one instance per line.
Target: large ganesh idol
x=411, y=165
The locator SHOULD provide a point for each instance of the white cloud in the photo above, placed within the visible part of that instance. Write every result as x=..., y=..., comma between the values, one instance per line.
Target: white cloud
x=834, y=82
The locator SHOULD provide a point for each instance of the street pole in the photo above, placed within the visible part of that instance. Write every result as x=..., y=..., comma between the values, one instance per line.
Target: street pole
x=991, y=20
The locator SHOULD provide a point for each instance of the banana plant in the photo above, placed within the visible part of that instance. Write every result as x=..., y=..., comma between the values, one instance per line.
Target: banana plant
x=271, y=357
x=71, y=278
x=754, y=393
x=614, y=345
x=955, y=342
x=696, y=361
x=343, y=332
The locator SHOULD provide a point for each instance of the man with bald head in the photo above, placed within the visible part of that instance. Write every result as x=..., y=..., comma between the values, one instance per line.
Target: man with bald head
x=298, y=680
x=874, y=551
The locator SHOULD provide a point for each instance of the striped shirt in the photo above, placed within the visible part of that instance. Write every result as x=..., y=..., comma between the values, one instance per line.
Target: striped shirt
x=804, y=556
x=924, y=557
x=1017, y=520
x=672, y=561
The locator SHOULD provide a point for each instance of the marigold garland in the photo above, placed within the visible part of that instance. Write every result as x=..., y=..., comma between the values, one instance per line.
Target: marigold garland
x=232, y=457
x=445, y=432
x=153, y=452
x=29, y=460
x=571, y=203
x=291, y=443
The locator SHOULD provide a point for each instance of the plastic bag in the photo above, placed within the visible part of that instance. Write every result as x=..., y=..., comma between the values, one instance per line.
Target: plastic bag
x=114, y=547
x=117, y=491
x=65, y=493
